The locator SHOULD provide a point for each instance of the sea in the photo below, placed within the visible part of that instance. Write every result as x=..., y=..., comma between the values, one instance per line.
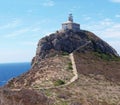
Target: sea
x=11, y=70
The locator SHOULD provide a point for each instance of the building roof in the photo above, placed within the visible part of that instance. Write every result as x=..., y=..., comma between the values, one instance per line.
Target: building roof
x=69, y=22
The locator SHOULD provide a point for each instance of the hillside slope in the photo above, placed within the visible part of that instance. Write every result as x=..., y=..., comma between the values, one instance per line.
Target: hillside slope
x=45, y=73
x=93, y=86
x=90, y=62
x=98, y=82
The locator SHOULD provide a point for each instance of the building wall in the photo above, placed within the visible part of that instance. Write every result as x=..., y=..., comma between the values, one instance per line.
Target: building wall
x=73, y=26
x=66, y=26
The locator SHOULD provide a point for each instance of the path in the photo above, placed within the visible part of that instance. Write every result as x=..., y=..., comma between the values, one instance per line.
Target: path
x=74, y=70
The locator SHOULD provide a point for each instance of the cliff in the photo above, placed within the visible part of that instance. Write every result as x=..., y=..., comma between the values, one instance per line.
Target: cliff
x=70, y=68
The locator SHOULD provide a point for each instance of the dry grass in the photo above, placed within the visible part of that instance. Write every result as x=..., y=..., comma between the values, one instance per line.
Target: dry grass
x=88, y=63
x=22, y=97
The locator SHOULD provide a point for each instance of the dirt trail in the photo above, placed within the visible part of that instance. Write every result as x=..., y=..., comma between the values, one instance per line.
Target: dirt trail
x=74, y=70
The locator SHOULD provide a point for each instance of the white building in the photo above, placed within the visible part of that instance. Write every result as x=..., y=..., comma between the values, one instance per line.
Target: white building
x=70, y=24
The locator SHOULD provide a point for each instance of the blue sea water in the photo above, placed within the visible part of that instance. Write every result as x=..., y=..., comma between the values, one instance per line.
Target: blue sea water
x=10, y=70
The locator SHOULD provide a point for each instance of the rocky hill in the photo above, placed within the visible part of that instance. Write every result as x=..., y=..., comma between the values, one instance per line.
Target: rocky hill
x=69, y=41
x=70, y=68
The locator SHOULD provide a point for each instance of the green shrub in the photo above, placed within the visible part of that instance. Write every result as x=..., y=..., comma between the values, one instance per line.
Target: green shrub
x=70, y=66
x=65, y=53
x=107, y=57
x=59, y=82
x=64, y=103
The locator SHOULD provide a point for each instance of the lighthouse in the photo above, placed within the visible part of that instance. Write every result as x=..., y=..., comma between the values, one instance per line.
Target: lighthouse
x=70, y=25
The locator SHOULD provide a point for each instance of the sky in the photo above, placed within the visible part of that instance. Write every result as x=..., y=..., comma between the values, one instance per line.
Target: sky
x=24, y=22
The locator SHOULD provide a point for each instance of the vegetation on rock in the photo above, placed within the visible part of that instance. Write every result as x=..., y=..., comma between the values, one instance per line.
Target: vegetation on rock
x=59, y=82
x=107, y=57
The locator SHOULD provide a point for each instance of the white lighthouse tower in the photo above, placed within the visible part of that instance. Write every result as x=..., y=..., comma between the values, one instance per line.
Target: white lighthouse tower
x=70, y=25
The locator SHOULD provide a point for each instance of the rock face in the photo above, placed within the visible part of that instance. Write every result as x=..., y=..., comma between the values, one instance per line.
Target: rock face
x=69, y=41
